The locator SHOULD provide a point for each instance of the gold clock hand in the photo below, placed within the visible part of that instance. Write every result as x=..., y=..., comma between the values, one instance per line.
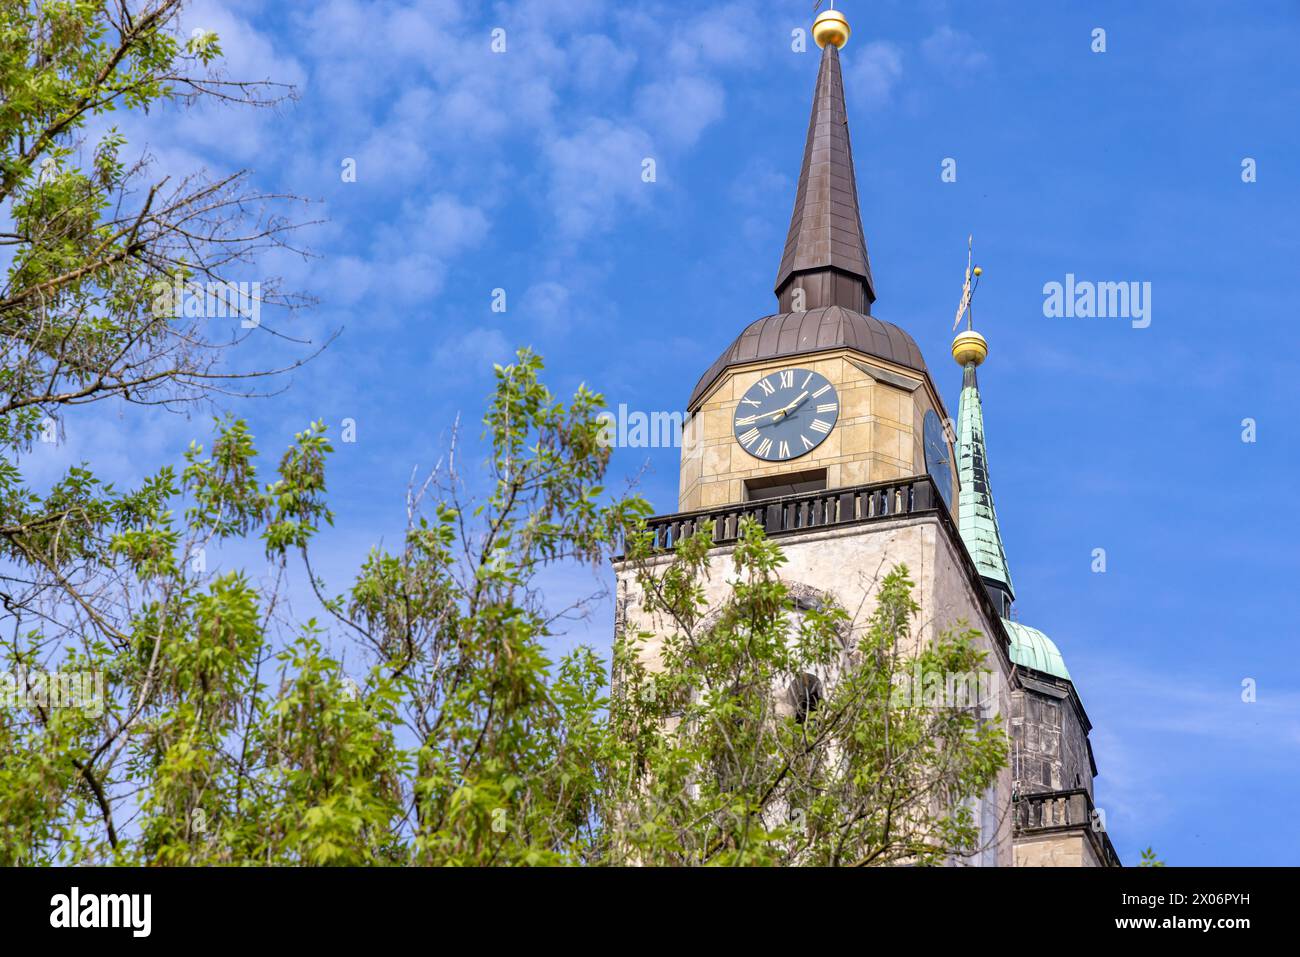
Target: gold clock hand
x=784, y=410
x=795, y=404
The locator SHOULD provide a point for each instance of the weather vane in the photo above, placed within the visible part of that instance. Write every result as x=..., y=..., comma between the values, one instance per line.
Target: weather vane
x=965, y=308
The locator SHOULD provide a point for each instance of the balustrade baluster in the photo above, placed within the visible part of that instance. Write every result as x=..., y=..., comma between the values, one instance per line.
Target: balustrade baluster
x=922, y=495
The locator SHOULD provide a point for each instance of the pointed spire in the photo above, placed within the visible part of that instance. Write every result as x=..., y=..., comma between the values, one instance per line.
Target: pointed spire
x=826, y=250
x=976, y=517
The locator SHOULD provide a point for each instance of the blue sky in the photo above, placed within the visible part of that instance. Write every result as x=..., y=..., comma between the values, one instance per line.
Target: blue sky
x=522, y=171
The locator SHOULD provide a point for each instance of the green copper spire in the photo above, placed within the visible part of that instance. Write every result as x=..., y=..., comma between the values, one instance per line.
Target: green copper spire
x=976, y=517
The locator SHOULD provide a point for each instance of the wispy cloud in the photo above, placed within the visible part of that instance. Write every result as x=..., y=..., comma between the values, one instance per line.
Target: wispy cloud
x=953, y=53
x=873, y=72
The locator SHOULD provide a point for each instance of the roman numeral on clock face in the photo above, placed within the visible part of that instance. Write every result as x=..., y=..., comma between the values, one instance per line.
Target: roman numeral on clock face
x=766, y=386
x=818, y=425
x=783, y=451
x=763, y=448
x=748, y=438
x=827, y=407
x=806, y=444
x=822, y=391
x=787, y=378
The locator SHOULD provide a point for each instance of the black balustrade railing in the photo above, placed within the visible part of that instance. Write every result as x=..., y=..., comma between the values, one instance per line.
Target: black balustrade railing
x=801, y=512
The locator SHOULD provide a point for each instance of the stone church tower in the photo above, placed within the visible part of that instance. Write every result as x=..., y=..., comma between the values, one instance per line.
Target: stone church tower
x=822, y=422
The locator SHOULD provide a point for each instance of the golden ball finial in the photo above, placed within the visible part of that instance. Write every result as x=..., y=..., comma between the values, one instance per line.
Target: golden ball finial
x=978, y=271
x=968, y=347
x=831, y=27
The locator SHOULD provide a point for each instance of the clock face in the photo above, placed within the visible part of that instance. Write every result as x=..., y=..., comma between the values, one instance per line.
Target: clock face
x=786, y=414
x=937, y=461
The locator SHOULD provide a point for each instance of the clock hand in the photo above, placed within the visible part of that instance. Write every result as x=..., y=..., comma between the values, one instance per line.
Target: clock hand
x=795, y=404
x=754, y=418
x=784, y=410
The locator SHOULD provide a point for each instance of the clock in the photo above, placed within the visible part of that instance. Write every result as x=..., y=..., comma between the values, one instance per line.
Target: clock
x=937, y=460
x=786, y=414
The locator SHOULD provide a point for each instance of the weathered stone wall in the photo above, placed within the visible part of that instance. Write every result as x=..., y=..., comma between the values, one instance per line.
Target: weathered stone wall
x=1065, y=849
x=1050, y=743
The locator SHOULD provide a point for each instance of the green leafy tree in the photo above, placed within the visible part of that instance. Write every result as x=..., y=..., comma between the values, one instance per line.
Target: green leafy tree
x=96, y=245
x=232, y=733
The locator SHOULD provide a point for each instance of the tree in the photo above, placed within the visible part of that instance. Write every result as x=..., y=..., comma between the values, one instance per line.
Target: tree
x=229, y=732
x=226, y=732
x=114, y=274
x=112, y=277
x=1149, y=859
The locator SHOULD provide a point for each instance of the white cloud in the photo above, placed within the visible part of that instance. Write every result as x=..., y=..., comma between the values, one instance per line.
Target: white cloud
x=446, y=225
x=760, y=186
x=471, y=352
x=398, y=151
x=953, y=52
x=700, y=42
x=560, y=92
x=680, y=108
x=408, y=259
x=599, y=66
x=873, y=72
x=549, y=305
x=596, y=175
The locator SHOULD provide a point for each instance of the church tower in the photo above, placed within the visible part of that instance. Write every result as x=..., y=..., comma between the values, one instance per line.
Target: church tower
x=822, y=423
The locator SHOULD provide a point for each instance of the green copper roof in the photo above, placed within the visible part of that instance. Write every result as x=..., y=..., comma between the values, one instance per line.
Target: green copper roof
x=976, y=517
x=1033, y=649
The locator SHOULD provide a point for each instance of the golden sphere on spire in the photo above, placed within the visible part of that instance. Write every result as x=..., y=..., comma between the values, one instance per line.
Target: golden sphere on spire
x=968, y=347
x=831, y=27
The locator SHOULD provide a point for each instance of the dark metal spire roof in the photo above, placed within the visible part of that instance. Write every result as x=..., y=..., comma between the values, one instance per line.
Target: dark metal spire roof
x=817, y=330
x=825, y=257
x=826, y=250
